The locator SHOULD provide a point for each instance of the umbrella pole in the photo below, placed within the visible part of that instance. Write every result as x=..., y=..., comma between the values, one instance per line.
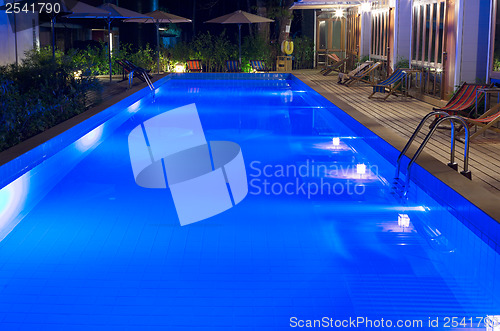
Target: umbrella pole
x=109, y=48
x=239, y=40
x=158, y=44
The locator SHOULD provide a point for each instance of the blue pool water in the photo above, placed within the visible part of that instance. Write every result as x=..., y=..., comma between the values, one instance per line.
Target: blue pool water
x=96, y=251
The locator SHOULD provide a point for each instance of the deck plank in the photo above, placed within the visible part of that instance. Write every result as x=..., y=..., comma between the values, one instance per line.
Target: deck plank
x=402, y=115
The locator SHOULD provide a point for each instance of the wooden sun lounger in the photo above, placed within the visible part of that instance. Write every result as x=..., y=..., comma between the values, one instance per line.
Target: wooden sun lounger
x=194, y=66
x=361, y=67
x=462, y=101
x=258, y=66
x=334, y=67
x=484, y=122
x=233, y=66
x=363, y=75
x=390, y=85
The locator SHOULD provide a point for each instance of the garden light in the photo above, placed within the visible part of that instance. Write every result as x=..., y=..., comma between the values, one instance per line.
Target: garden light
x=179, y=68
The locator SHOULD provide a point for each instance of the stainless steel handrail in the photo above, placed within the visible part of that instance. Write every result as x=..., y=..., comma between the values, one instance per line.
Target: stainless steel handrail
x=452, y=163
x=417, y=130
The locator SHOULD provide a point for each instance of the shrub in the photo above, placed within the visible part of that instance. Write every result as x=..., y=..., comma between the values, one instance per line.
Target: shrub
x=303, y=52
x=39, y=94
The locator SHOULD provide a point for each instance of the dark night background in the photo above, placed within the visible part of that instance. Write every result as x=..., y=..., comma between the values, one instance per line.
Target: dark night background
x=142, y=34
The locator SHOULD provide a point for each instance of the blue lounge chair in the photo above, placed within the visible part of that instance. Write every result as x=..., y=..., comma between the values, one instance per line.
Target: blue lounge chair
x=233, y=66
x=390, y=85
x=258, y=66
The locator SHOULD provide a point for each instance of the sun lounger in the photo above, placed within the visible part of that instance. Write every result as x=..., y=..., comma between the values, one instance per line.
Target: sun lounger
x=233, y=66
x=362, y=75
x=331, y=60
x=258, y=66
x=484, y=122
x=462, y=101
x=194, y=66
x=361, y=67
x=334, y=67
x=390, y=85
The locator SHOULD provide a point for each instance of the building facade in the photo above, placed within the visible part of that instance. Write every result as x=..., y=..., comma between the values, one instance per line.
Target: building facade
x=452, y=41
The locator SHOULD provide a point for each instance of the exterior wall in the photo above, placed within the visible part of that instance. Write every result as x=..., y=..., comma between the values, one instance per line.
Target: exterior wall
x=26, y=37
x=402, y=33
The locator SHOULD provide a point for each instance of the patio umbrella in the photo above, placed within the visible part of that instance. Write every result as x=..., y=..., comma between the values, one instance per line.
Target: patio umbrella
x=239, y=17
x=112, y=12
x=66, y=7
x=158, y=17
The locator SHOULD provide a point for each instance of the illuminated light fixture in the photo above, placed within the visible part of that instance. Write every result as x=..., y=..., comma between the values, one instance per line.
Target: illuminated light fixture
x=361, y=169
x=365, y=7
x=335, y=141
x=439, y=70
x=403, y=220
x=179, y=68
x=77, y=74
x=339, y=12
x=111, y=43
x=492, y=322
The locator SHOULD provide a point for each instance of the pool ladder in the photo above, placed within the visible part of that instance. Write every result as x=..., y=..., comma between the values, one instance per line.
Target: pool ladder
x=400, y=187
x=144, y=75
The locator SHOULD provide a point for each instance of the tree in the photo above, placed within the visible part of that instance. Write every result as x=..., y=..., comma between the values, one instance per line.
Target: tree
x=280, y=11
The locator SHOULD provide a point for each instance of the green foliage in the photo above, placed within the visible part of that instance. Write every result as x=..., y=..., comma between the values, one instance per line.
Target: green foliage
x=364, y=59
x=212, y=50
x=38, y=94
x=256, y=48
x=402, y=63
x=303, y=51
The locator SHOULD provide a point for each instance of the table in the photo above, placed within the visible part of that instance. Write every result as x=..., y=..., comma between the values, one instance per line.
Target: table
x=486, y=91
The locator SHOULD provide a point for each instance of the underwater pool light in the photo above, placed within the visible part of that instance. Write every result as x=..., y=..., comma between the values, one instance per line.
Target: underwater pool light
x=361, y=168
x=403, y=220
x=335, y=141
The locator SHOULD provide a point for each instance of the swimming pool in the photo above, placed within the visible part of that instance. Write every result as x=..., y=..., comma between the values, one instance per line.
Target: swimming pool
x=92, y=249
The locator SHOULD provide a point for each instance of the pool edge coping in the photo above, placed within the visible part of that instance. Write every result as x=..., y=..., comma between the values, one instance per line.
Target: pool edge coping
x=471, y=191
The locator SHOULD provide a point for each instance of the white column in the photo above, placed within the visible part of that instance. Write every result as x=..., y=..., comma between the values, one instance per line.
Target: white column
x=365, y=34
x=459, y=14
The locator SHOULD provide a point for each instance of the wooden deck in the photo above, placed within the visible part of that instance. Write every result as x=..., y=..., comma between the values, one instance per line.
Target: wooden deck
x=402, y=115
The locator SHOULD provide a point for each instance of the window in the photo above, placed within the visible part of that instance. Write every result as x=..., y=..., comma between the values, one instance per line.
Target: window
x=428, y=33
x=380, y=34
x=353, y=32
x=496, y=46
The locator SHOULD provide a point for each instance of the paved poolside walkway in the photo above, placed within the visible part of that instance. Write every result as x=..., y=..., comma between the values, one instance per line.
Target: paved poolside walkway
x=402, y=115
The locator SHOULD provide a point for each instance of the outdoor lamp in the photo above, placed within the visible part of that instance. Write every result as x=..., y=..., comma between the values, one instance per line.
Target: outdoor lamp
x=365, y=7
x=179, y=67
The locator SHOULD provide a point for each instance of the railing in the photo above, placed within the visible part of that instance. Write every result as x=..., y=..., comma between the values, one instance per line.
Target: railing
x=466, y=172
